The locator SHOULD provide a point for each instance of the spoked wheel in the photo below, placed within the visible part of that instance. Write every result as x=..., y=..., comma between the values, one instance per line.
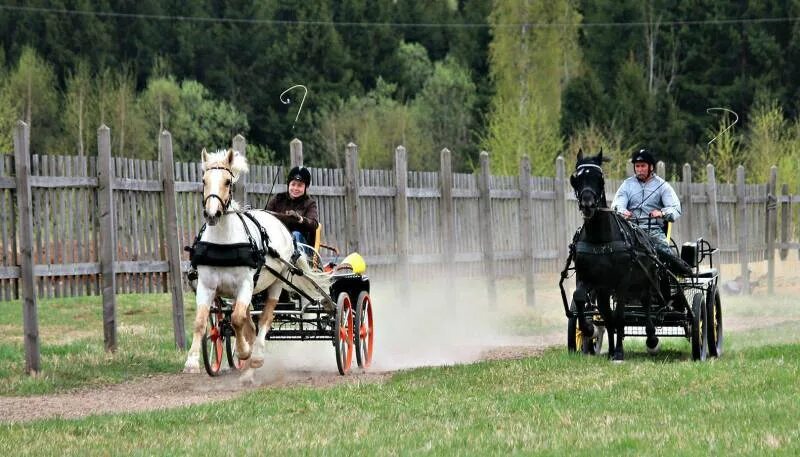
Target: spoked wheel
x=365, y=330
x=343, y=333
x=230, y=349
x=593, y=346
x=714, y=313
x=699, y=328
x=212, y=342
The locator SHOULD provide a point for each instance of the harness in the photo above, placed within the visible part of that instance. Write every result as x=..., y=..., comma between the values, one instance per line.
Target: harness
x=225, y=204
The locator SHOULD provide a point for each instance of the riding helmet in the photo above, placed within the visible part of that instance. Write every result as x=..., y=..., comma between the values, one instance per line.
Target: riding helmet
x=643, y=155
x=300, y=174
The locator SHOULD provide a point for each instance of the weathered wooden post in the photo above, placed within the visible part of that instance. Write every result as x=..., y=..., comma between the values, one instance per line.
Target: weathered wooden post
x=401, y=215
x=687, y=209
x=661, y=169
x=173, y=240
x=526, y=229
x=560, y=204
x=487, y=236
x=296, y=153
x=447, y=222
x=786, y=212
x=30, y=314
x=240, y=190
x=772, y=229
x=713, y=213
x=353, y=227
x=108, y=236
x=742, y=229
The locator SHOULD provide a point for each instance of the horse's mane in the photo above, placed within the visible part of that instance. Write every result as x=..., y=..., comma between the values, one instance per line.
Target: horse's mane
x=238, y=165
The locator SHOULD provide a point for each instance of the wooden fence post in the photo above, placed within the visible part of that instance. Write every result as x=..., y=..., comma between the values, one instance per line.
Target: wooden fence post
x=687, y=209
x=713, y=212
x=485, y=217
x=526, y=229
x=772, y=229
x=30, y=314
x=296, y=153
x=173, y=240
x=786, y=212
x=240, y=190
x=447, y=221
x=108, y=236
x=742, y=229
x=661, y=169
x=562, y=232
x=353, y=229
x=401, y=214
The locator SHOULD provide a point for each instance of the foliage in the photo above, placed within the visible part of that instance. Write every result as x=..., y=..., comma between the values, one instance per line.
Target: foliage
x=591, y=139
x=725, y=152
x=77, y=105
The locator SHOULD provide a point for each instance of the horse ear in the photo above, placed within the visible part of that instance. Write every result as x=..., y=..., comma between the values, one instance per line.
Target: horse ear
x=204, y=157
x=229, y=157
x=580, y=153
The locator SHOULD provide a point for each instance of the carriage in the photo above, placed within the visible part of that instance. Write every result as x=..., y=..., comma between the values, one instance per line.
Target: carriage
x=692, y=311
x=625, y=286
x=298, y=317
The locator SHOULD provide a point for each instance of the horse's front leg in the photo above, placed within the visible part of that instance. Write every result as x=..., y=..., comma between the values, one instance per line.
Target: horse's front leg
x=580, y=297
x=264, y=325
x=652, y=342
x=204, y=298
x=242, y=322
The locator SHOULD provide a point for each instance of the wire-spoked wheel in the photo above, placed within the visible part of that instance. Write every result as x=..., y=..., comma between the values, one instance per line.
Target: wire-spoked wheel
x=714, y=318
x=699, y=328
x=365, y=330
x=212, y=342
x=343, y=333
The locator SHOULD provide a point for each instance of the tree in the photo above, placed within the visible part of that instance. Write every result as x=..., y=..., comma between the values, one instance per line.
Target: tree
x=412, y=69
x=76, y=108
x=529, y=66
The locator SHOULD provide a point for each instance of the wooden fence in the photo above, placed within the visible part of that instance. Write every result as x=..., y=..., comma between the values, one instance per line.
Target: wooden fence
x=407, y=224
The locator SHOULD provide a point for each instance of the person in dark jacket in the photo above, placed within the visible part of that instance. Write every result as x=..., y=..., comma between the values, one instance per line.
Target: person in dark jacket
x=295, y=208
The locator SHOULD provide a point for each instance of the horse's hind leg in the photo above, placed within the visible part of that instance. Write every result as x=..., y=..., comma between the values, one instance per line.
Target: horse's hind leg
x=264, y=325
x=204, y=298
x=618, y=354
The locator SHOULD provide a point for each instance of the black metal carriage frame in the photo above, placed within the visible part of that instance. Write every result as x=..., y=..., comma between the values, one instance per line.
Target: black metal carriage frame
x=692, y=309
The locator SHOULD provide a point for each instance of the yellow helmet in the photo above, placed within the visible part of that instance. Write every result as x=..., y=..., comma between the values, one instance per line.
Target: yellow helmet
x=354, y=261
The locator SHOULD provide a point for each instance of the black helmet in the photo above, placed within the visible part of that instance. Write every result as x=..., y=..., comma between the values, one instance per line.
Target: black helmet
x=300, y=174
x=643, y=155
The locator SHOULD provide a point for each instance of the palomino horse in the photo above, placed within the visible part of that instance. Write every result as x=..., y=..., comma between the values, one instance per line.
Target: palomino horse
x=611, y=259
x=225, y=227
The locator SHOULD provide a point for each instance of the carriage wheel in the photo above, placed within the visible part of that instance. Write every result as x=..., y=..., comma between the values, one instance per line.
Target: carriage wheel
x=699, y=328
x=343, y=333
x=575, y=339
x=212, y=342
x=230, y=352
x=714, y=315
x=593, y=346
x=365, y=330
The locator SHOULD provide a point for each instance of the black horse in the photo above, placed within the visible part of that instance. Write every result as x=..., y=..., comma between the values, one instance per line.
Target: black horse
x=612, y=259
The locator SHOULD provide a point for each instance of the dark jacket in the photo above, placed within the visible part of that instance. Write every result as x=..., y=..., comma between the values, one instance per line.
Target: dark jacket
x=304, y=206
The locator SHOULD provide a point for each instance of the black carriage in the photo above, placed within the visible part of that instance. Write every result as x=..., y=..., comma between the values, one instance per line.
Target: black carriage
x=348, y=325
x=691, y=308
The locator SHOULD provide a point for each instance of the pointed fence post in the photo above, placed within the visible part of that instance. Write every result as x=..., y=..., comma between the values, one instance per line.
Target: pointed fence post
x=108, y=236
x=786, y=212
x=687, y=208
x=526, y=229
x=30, y=313
x=485, y=216
x=353, y=228
x=742, y=229
x=447, y=221
x=713, y=212
x=560, y=208
x=772, y=229
x=401, y=215
x=240, y=190
x=296, y=153
x=173, y=240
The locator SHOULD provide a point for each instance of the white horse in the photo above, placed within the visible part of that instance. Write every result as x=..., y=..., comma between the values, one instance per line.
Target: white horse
x=220, y=171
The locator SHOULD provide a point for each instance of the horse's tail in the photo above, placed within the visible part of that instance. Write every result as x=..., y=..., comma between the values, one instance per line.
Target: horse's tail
x=321, y=279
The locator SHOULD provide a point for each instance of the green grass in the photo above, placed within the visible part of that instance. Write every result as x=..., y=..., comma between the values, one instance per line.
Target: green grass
x=71, y=343
x=556, y=404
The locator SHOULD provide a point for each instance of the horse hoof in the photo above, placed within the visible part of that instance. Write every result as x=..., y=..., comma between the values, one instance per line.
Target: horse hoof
x=192, y=365
x=615, y=360
x=653, y=346
x=256, y=362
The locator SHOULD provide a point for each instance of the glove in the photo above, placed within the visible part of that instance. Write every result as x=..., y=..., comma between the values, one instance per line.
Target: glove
x=294, y=216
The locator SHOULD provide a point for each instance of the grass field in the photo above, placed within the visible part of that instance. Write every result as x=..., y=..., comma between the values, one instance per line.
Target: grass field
x=556, y=404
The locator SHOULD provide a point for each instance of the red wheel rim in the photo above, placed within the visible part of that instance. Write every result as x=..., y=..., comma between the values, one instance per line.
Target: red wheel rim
x=366, y=331
x=345, y=333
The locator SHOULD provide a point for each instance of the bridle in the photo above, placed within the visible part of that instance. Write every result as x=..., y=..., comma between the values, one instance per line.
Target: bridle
x=597, y=197
x=225, y=204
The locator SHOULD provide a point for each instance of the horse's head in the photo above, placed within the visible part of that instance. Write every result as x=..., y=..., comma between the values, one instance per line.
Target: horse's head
x=220, y=171
x=589, y=184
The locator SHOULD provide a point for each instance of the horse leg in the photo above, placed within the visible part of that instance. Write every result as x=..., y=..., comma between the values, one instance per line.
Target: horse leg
x=581, y=297
x=204, y=297
x=264, y=325
x=242, y=322
x=653, y=344
x=619, y=323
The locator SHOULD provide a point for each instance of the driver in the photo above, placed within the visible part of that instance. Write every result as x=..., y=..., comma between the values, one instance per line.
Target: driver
x=295, y=208
x=650, y=201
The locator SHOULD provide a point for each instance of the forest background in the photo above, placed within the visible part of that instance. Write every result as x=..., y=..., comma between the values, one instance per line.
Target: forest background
x=514, y=77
